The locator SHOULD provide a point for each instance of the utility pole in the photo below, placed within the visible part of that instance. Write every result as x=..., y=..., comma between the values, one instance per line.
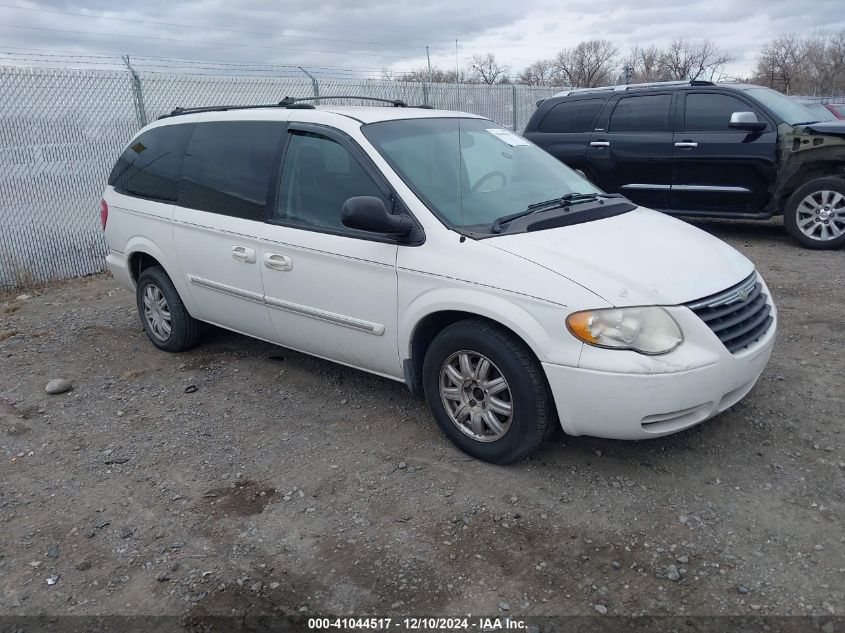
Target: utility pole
x=428, y=57
x=457, y=88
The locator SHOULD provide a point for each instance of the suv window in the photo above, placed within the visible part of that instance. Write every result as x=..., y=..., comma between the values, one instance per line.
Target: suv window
x=228, y=167
x=150, y=166
x=711, y=112
x=572, y=116
x=319, y=175
x=647, y=113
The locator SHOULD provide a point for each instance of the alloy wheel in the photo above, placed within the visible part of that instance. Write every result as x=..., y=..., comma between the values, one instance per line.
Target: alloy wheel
x=476, y=396
x=821, y=215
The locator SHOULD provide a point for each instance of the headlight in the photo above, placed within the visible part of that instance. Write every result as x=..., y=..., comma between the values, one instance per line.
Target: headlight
x=648, y=330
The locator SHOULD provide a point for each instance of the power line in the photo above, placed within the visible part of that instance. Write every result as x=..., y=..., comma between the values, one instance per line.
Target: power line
x=185, y=41
x=208, y=28
x=175, y=62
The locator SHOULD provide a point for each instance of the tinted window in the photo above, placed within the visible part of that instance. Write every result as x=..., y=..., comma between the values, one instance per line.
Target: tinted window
x=711, y=112
x=150, y=166
x=228, y=167
x=319, y=175
x=641, y=114
x=572, y=116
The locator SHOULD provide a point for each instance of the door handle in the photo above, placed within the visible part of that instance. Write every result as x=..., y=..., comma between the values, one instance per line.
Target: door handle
x=686, y=144
x=243, y=254
x=277, y=261
x=599, y=143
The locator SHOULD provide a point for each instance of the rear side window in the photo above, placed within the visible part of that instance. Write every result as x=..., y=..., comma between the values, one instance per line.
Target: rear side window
x=711, y=112
x=228, y=167
x=572, y=116
x=150, y=166
x=647, y=113
x=319, y=175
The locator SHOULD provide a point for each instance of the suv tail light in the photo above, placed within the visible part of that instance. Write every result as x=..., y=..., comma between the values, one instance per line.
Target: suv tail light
x=104, y=213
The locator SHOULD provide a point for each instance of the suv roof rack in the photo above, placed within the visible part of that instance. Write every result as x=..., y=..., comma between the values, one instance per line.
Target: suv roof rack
x=287, y=102
x=624, y=87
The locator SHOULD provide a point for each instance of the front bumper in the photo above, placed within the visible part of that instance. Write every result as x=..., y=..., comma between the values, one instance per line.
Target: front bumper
x=643, y=405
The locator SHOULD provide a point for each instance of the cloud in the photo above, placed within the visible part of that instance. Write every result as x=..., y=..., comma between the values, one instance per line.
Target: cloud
x=373, y=35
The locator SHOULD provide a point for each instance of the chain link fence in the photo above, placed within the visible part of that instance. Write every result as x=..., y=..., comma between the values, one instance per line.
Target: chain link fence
x=62, y=129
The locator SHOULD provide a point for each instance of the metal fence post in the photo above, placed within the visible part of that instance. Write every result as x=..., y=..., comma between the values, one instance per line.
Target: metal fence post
x=138, y=93
x=314, y=83
x=513, y=87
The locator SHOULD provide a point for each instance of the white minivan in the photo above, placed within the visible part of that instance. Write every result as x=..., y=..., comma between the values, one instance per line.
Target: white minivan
x=441, y=250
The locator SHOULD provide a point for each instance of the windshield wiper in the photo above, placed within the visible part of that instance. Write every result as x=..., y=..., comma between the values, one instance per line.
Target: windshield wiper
x=565, y=200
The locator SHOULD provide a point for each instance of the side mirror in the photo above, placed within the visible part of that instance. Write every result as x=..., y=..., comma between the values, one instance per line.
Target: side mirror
x=581, y=173
x=746, y=121
x=368, y=213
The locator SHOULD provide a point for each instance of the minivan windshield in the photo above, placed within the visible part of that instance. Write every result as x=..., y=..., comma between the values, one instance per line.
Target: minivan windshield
x=787, y=108
x=472, y=171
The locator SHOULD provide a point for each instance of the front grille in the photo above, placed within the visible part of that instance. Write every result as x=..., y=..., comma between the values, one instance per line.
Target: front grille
x=739, y=316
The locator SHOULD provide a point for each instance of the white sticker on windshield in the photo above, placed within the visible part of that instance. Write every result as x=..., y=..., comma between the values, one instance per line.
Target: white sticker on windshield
x=507, y=136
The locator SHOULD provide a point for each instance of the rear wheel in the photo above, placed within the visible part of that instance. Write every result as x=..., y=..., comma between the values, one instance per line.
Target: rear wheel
x=163, y=315
x=487, y=392
x=815, y=214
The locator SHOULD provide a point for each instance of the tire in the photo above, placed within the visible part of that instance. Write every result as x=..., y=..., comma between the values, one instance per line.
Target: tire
x=531, y=418
x=807, y=210
x=184, y=331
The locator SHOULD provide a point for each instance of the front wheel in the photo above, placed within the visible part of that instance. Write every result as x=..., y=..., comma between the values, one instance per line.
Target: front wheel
x=487, y=392
x=815, y=214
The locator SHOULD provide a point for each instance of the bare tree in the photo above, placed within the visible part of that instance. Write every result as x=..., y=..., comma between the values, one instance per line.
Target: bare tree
x=643, y=64
x=540, y=73
x=686, y=59
x=781, y=62
x=485, y=69
x=590, y=64
x=437, y=76
x=824, y=64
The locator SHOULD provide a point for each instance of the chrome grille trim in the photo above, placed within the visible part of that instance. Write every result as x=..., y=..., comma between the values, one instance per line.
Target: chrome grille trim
x=738, y=316
x=739, y=292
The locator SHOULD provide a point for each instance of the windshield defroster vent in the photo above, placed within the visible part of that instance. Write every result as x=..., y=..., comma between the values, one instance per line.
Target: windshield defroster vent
x=576, y=216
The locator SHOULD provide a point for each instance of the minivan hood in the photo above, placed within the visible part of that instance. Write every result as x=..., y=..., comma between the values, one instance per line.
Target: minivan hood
x=638, y=258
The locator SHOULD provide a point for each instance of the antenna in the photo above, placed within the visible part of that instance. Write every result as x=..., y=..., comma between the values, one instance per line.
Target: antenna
x=461, y=181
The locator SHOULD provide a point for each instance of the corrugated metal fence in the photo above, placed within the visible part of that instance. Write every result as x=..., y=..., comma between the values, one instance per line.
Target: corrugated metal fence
x=62, y=129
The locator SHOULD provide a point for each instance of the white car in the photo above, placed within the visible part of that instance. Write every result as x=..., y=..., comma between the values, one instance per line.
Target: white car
x=441, y=250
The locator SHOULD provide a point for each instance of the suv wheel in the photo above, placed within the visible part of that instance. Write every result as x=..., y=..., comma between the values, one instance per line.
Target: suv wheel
x=815, y=214
x=166, y=321
x=487, y=392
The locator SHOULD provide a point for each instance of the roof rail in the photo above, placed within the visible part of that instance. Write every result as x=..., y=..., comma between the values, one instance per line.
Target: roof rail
x=223, y=108
x=287, y=102
x=396, y=103
x=624, y=87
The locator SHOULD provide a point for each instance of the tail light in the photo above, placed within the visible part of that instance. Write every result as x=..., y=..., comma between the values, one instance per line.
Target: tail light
x=104, y=213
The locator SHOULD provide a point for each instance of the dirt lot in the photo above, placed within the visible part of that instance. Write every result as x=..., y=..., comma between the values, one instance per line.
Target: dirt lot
x=288, y=484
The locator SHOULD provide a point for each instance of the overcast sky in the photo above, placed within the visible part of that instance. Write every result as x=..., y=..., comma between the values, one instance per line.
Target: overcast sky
x=373, y=35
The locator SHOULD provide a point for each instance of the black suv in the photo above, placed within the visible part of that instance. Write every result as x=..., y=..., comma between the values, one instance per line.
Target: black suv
x=703, y=149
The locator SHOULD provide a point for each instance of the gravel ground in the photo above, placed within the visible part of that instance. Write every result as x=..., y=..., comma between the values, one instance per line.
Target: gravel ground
x=243, y=478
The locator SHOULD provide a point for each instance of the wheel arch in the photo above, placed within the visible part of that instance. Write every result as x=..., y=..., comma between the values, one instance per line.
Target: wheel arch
x=420, y=325
x=143, y=253
x=808, y=172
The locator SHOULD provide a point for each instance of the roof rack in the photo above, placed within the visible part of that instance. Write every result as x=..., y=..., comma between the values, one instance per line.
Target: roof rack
x=287, y=102
x=223, y=108
x=624, y=87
